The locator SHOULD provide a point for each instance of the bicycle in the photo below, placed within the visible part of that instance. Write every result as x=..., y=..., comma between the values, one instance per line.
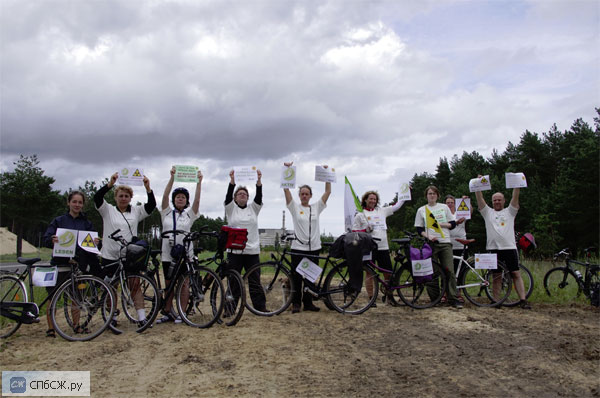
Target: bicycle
x=140, y=299
x=478, y=284
x=568, y=283
x=75, y=305
x=232, y=282
x=275, y=282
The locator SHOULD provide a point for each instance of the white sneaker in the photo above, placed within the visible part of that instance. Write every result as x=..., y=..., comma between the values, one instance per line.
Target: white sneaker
x=178, y=320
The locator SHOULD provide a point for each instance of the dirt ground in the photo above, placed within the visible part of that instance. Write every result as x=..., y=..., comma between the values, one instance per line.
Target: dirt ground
x=549, y=351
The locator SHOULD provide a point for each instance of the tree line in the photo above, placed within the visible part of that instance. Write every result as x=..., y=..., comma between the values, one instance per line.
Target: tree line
x=559, y=206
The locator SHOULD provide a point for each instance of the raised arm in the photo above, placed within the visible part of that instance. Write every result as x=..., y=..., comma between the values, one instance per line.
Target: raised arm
x=258, y=196
x=327, y=189
x=480, y=201
x=230, y=187
x=514, y=202
x=99, y=195
x=165, y=199
x=151, y=203
x=286, y=191
x=196, y=204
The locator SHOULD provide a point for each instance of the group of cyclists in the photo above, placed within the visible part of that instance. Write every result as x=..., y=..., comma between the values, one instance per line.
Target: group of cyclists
x=177, y=214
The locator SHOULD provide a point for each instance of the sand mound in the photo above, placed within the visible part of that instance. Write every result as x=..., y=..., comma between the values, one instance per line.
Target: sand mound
x=8, y=243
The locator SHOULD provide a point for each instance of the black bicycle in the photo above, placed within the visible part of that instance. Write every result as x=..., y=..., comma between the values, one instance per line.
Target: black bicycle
x=76, y=307
x=568, y=283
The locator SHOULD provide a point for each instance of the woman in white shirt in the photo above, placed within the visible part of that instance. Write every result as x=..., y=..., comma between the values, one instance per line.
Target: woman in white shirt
x=305, y=217
x=180, y=217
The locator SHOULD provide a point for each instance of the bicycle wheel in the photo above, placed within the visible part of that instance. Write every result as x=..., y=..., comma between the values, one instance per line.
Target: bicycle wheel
x=235, y=297
x=140, y=303
x=76, y=309
x=11, y=290
x=478, y=284
x=271, y=283
x=560, y=283
x=200, y=297
x=423, y=293
x=337, y=293
x=513, y=299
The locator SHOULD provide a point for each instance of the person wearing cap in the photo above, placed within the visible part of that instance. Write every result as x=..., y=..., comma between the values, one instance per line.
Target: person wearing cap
x=241, y=214
x=180, y=217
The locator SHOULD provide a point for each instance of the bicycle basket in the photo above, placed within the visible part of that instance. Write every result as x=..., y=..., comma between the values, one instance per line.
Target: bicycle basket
x=232, y=238
x=417, y=254
x=527, y=243
x=136, y=256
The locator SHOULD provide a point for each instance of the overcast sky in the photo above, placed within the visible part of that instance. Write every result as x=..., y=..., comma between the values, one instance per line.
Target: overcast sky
x=379, y=90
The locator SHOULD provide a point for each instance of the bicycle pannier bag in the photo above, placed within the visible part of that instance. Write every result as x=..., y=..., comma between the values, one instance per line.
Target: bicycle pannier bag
x=177, y=252
x=232, y=238
x=527, y=243
x=337, y=248
x=136, y=256
x=423, y=253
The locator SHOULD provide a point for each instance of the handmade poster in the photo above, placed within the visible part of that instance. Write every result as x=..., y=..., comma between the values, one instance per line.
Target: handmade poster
x=463, y=208
x=480, y=184
x=309, y=270
x=486, y=261
x=404, y=191
x=288, y=177
x=67, y=241
x=245, y=175
x=131, y=176
x=422, y=267
x=45, y=276
x=325, y=174
x=186, y=174
x=85, y=240
x=515, y=180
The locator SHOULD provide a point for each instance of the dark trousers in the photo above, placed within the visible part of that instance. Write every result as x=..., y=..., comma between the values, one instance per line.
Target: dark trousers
x=241, y=262
x=298, y=296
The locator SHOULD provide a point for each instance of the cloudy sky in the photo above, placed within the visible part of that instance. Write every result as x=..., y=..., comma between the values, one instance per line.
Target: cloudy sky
x=379, y=90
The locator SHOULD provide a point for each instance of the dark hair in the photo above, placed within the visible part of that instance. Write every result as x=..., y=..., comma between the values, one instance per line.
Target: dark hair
x=434, y=189
x=449, y=197
x=363, y=201
x=307, y=187
x=73, y=193
x=241, y=188
x=185, y=192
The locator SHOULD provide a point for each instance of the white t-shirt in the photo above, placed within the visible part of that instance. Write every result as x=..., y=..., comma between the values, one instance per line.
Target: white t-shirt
x=373, y=221
x=500, y=227
x=303, y=228
x=183, y=222
x=245, y=218
x=458, y=232
x=113, y=219
x=442, y=214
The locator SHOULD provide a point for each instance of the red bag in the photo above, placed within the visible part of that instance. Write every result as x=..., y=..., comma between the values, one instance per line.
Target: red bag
x=232, y=238
x=527, y=243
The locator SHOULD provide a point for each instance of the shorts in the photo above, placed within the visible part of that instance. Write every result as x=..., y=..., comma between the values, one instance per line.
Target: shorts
x=509, y=257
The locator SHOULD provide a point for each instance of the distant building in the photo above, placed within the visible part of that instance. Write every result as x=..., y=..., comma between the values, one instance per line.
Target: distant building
x=268, y=236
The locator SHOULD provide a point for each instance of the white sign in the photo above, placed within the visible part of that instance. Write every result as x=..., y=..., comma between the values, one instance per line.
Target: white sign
x=422, y=267
x=67, y=240
x=186, y=174
x=131, y=176
x=480, y=184
x=85, y=240
x=288, y=177
x=45, y=276
x=486, y=261
x=515, y=180
x=404, y=191
x=309, y=270
x=463, y=208
x=325, y=174
x=245, y=174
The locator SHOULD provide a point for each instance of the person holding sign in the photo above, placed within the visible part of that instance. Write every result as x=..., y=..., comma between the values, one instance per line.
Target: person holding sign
x=459, y=232
x=308, y=237
x=434, y=222
x=74, y=219
x=372, y=220
x=500, y=232
x=125, y=218
x=180, y=217
x=241, y=214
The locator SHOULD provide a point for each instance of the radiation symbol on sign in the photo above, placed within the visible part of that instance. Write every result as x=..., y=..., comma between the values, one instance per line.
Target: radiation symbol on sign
x=137, y=173
x=484, y=180
x=88, y=241
x=463, y=206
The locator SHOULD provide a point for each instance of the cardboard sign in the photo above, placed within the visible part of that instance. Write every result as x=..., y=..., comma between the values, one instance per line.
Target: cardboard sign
x=245, y=175
x=404, y=191
x=422, y=267
x=515, y=180
x=486, y=261
x=45, y=276
x=463, y=208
